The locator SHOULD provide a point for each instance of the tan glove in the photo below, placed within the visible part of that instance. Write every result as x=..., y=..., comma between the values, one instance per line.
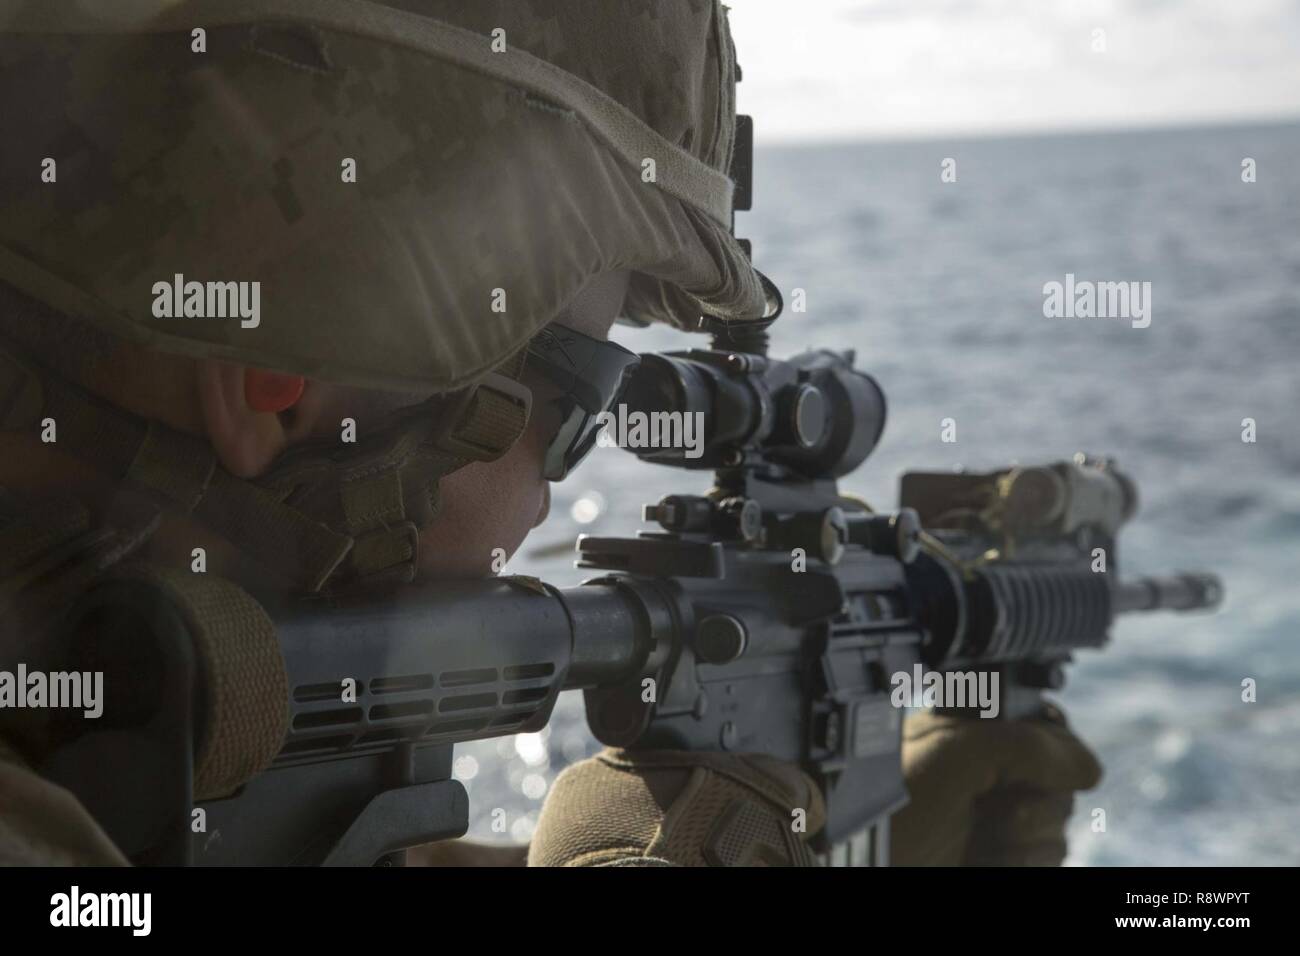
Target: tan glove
x=671, y=808
x=989, y=792
x=42, y=824
x=468, y=853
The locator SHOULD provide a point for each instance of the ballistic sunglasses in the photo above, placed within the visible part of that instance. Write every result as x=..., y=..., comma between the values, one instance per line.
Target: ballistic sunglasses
x=591, y=376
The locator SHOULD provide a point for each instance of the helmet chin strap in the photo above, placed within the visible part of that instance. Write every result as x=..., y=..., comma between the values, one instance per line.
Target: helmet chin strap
x=328, y=516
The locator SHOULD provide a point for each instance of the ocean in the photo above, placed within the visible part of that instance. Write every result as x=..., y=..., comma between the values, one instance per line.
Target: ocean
x=939, y=287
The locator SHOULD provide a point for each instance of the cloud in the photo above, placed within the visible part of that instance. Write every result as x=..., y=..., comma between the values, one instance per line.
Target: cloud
x=846, y=68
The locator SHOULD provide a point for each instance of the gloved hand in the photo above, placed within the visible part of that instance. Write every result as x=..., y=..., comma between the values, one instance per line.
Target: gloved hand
x=671, y=808
x=42, y=824
x=468, y=853
x=984, y=792
x=989, y=792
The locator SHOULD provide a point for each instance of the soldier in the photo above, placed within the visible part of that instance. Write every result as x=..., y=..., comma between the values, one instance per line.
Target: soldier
x=361, y=214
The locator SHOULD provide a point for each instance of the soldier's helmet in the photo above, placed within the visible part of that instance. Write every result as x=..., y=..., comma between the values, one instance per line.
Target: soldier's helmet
x=416, y=187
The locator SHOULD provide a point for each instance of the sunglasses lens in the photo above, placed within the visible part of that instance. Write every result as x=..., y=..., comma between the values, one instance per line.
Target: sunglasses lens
x=573, y=443
x=585, y=443
x=559, y=461
x=591, y=382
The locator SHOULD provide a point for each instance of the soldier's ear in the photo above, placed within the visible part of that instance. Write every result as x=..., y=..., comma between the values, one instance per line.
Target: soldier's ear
x=251, y=415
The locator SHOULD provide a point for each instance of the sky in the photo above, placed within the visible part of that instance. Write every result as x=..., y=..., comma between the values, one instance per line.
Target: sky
x=866, y=69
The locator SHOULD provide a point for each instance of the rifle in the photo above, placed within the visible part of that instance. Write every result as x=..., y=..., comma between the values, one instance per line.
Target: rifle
x=771, y=614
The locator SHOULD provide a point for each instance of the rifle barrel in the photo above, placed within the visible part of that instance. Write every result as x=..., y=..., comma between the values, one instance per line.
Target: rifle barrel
x=1179, y=592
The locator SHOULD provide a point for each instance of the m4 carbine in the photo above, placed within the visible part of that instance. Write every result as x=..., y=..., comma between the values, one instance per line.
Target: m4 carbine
x=770, y=615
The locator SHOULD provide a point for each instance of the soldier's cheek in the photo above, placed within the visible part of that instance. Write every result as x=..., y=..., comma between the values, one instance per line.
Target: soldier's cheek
x=487, y=510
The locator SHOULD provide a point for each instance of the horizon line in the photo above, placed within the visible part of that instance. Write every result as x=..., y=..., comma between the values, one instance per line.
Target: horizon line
x=779, y=141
